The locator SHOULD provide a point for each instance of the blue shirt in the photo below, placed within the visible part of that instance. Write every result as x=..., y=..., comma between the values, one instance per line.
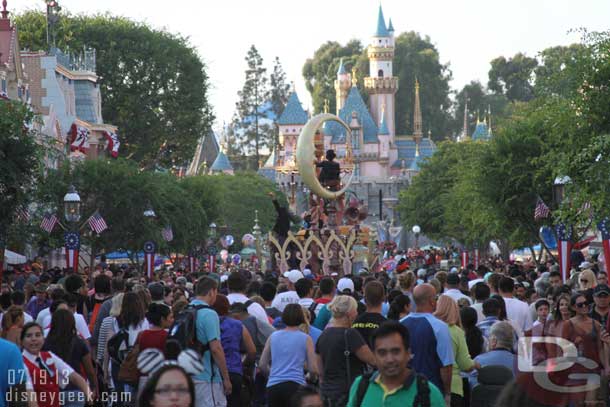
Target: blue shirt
x=431, y=345
x=208, y=329
x=12, y=369
x=485, y=325
x=494, y=357
x=288, y=356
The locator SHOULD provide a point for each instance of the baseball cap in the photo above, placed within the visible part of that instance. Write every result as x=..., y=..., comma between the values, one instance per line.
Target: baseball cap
x=294, y=275
x=601, y=288
x=345, y=284
x=453, y=270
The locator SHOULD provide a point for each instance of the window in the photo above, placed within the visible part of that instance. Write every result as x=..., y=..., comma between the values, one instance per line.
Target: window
x=380, y=73
x=3, y=85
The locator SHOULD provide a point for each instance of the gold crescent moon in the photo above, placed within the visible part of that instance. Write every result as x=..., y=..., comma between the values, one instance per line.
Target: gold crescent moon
x=306, y=156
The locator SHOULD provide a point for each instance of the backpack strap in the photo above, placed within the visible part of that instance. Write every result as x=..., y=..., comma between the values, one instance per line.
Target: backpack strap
x=422, y=399
x=363, y=386
x=347, y=353
x=313, y=306
x=248, y=303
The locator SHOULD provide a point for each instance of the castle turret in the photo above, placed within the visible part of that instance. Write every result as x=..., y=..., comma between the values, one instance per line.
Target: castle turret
x=343, y=84
x=381, y=85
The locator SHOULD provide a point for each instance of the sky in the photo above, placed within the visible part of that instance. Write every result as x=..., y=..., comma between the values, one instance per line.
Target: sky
x=467, y=33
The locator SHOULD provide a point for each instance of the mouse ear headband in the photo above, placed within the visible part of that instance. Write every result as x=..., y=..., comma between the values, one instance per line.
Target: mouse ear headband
x=150, y=360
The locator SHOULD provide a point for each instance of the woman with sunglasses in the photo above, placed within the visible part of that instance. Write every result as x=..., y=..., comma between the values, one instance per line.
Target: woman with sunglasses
x=589, y=338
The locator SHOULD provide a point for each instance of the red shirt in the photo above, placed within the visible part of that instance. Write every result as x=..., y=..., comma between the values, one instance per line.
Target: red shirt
x=323, y=300
x=152, y=339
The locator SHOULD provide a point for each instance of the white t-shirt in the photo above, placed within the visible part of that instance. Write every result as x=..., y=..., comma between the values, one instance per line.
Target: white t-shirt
x=82, y=329
x=471, y=283
x=518, y=312
x=306, y=302
x=456, y=295
x=478, y=307
x=26, y=318
x=282, y=299
x=254, y=309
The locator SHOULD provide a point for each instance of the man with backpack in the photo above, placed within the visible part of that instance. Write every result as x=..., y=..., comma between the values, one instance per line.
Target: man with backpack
x=394, y=384
x=213, y=383
x=237, y=287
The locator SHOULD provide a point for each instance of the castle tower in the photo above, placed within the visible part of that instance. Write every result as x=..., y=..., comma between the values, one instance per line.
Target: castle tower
x=381, y=85
x=417, y=120
x=343, y=84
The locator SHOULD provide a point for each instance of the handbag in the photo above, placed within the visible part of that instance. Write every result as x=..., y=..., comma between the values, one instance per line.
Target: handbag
x=128, y=371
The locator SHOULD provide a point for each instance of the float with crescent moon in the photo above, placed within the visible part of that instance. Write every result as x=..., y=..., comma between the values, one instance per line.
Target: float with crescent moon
x=334, y=239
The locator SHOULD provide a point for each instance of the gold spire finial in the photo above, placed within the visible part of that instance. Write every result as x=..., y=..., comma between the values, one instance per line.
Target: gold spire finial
x=326, y=106
x=354, y=77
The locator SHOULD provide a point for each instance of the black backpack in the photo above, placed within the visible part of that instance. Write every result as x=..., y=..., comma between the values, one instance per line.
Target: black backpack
x=422, y=398
x=116, y=350
x=312, y=312
x=183, y=333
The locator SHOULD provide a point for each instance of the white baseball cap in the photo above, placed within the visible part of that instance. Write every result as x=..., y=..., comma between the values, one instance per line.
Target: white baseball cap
x=345, y=284
x=294, y=275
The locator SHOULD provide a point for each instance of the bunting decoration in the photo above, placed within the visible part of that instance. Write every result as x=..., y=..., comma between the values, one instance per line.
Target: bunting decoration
x=72, y=247
x=113, y=143
x=79, y=139
x=464, y=258
x=604, y=228
x=564, y=249
x=149, y=258
x=167, y=233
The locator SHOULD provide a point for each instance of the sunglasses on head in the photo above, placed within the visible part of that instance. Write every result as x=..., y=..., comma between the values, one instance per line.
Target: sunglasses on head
x=581, y=304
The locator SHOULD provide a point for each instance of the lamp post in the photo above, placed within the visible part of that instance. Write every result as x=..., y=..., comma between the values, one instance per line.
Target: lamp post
x=256, y=232
x=564, y=232
x=53, y=10
x=150, y=247
x=212, y=249
x=72, y=213
x=416, y=231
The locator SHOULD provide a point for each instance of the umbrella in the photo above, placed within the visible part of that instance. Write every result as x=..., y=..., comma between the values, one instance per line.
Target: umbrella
x=430, y=247
x=14, y=258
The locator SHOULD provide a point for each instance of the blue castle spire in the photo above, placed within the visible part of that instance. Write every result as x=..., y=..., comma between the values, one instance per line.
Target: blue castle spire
x=382, y=30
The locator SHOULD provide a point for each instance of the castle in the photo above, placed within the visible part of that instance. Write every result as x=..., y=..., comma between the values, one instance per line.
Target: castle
x=383, y=162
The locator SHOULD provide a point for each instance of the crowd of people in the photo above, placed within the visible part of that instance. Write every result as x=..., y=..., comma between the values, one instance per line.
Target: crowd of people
x=413, y=336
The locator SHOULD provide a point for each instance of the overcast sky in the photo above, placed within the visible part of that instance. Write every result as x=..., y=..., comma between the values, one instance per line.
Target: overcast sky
x=467, y=33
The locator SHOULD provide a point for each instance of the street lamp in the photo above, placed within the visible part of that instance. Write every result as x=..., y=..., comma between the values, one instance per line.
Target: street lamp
x=149, y=212
x=559, y=189
x=416, y=231
x=72, y=205
x=212, y=231
x=53, y=10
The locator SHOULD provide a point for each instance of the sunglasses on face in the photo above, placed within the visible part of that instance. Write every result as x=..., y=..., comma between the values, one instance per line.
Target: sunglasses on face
x=581, y=304
x=584, y=281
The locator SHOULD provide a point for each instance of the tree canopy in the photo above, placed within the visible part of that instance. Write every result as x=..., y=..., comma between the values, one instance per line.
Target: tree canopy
x=154, y=85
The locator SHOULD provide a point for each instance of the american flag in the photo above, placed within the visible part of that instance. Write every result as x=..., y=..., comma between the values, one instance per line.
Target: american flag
x=604, y=227
x=23, y=214
x=49, y=221
x=167, y=233
x=97, y=223
x=542, y=211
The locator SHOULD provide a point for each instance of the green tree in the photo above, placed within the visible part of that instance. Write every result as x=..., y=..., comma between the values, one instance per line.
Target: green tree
x=19, y=166
x=232, y=200
x=513, y=77
x=479, y=101
x=121, y=193
x=251, y=133
x=557, y=73
x=279, y=91
x=154, y=85
x=415, y=57
x=320, y=71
